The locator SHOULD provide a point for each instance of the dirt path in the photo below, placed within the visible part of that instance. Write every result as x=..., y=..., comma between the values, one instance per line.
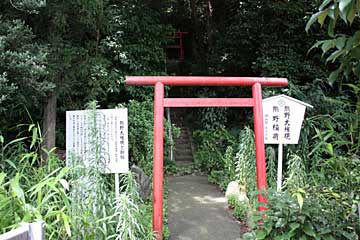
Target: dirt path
x=198, y=211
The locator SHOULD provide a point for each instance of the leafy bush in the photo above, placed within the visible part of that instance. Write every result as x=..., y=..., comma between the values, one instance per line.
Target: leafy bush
x=213, y=118
x=210, y=148
x=225, y=176
x=76, y=202
x=241, y=210
x=141, y=127
x=232, y=199
x=36, y=193
x=128, y=214
x=245, y=160
x=306, y=215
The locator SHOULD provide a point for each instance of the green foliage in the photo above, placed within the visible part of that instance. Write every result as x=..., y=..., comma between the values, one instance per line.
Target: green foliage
x=232, y=199
x=90, y=194
x=128, y=214
x=342, y=46
x=134, y=30
x=229, y=163
x=220, y=178
x=31, y=192
x=29, y=6
x=245, y=160
x=306, y=215
x=22, y=67
x=240, y=207
x=271, y=166
x=213, y=118
x=211, y=147
x=296, y=174
x=240, y=210
x=141, y=135
x=76, y=202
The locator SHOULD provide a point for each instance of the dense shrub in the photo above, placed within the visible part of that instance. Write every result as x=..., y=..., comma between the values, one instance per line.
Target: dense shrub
x=141, y=127
x=315, y=214
x=210, y=148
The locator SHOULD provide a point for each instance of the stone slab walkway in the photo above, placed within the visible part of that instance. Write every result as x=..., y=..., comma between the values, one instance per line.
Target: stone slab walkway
x=198, y=211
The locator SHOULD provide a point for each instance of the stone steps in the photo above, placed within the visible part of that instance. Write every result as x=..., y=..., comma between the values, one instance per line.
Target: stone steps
x=183, y=153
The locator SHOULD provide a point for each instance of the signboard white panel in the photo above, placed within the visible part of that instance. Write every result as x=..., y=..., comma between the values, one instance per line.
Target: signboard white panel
x=112, y=126
x=283, y=117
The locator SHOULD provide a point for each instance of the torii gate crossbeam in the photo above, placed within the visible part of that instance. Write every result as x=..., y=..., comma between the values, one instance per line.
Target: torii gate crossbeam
x=160, y=102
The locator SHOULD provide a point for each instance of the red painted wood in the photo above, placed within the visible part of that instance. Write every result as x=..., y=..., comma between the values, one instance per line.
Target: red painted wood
x=160, y=103
x=259, y=142
x=180, y=45
x=204, y=81
x=158, y=160
x=208, y=102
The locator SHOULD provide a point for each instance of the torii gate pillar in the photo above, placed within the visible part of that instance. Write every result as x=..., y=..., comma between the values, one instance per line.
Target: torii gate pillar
x=160, y=102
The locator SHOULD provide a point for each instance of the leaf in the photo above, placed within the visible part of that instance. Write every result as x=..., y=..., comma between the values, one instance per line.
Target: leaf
x=330, y=149
x=328, y=237
x=340, y=42
x=66, y=224
x=300, y=199
x=327, y=45
x=294, y=226
x=16, y=190
x=1, y=139
x=316, y=45
x=34, y=137
x=2, y=177
x=335, y=55
x=15, y=141
x=331, y=28
x=248, y=235
x=309, y=229
x=344, y=6
x=261, y=235
x=11, y=163
x=322, y=16
x=280, y=223
x=336, y=195
x=333, y=77
x=347, y=235
x=333, y=12
x=303, y=237
x=311, y=21
x=64, y=183
x=324, y=4
x=355, y=88
x=351, y=13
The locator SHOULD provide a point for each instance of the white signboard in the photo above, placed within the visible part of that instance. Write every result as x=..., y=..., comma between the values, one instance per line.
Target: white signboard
x=283, y=117
x=112, y=126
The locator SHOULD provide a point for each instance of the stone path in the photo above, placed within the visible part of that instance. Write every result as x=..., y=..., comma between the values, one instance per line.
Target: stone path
x=198, y=211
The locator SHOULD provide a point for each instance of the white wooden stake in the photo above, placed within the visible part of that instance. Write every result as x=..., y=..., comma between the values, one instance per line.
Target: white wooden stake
x=279, y=170
x=117, y=187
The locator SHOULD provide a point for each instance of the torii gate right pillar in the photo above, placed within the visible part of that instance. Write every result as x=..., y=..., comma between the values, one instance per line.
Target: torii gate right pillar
x=259, y=141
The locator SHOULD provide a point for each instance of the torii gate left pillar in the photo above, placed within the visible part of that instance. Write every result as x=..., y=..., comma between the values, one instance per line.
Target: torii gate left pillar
x=160, y=102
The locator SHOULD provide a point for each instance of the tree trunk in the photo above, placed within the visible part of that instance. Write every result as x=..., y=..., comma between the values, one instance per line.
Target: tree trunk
x=209, y=12
x=49, y=124
x=195, y=29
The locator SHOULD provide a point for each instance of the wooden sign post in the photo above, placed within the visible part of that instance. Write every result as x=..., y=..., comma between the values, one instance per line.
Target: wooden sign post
x=283, y=117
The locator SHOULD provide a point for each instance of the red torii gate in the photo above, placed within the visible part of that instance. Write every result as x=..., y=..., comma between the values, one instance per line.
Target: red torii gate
x=160, y=102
